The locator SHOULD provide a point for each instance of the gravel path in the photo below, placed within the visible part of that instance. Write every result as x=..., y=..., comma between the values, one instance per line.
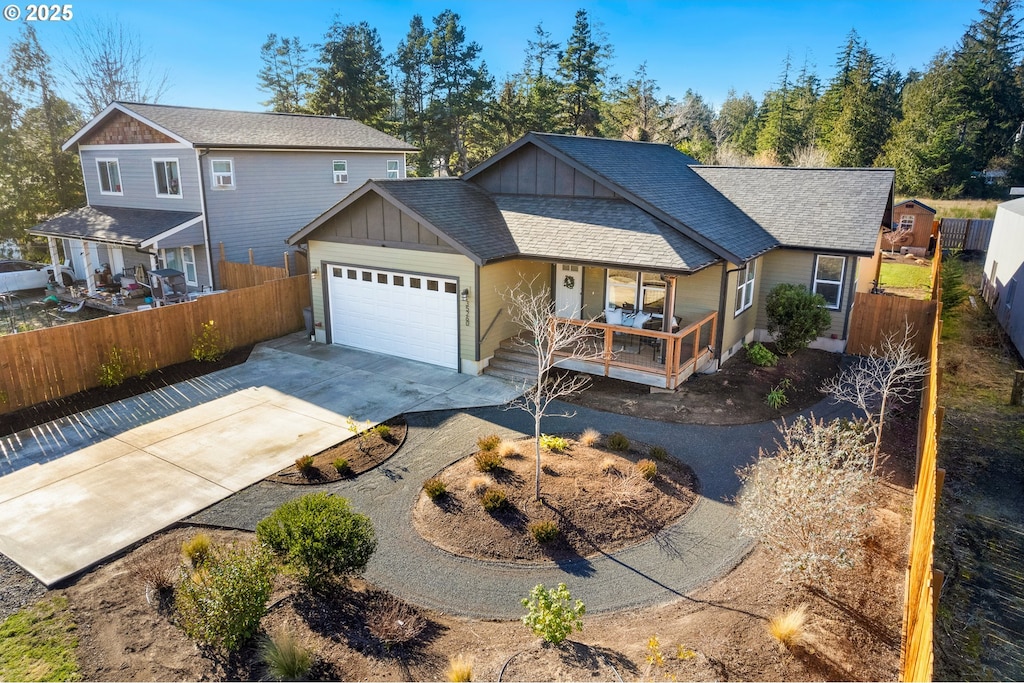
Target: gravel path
x=702, y=546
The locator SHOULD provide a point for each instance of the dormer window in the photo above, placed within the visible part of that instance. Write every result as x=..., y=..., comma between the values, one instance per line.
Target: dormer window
x=392, y=169
x=110, y=176
x=168, y=181
x=223, y=174
x=340, y=171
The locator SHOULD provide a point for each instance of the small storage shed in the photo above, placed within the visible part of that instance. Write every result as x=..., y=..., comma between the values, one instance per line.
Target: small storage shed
x=920, y=217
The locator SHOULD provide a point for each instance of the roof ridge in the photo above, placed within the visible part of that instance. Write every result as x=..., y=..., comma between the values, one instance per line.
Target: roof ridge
x=237, y=111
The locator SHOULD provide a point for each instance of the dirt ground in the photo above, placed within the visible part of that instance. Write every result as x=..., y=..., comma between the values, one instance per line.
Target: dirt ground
x=733, y=395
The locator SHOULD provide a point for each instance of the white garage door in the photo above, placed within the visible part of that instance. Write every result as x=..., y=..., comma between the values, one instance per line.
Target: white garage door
x=412, y=316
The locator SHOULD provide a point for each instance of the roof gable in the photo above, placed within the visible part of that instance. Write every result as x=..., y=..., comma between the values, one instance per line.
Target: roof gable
x=914, y=202
x=118, y=128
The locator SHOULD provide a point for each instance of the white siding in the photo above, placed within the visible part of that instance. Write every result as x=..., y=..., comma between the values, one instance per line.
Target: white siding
x=1006, y=257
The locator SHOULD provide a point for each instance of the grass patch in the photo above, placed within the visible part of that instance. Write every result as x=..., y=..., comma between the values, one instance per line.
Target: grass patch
x=911, y=279
x=38, y=643
x=960, y=208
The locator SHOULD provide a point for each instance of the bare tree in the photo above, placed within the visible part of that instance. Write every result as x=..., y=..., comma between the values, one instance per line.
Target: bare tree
x=810, y=502
x=809, y=156
x=109, y=64
x=878, y=380
x=898, y=235
x=552, y=341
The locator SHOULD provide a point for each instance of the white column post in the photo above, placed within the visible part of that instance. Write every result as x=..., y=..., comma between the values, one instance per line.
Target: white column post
x=90, y=275
x=55, y=260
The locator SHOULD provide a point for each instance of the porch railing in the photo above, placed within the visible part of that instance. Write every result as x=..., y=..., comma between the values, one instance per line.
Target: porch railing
x=670, y=356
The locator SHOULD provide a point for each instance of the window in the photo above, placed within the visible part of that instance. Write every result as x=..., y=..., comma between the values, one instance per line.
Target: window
x=382, y=278
x=392, y=168
x=223, y=173
x=110, y=176
x=398, y=280
x=168, y=182
x=432, y=285
x=182, y=259
x=450, y=288
x=828, y=279
x=745, y=288
x=907, y=222
x=340, y=171
x=627, y=287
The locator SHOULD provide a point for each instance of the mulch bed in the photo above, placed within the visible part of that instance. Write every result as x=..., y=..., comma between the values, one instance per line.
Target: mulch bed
x=361, y=454
x=41, y=413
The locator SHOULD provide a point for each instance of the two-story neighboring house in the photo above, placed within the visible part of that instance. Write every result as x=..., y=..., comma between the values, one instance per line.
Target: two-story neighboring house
x=166, y=186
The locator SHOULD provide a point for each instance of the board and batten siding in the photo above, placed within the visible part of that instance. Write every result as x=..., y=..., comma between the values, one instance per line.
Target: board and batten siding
x=531, y=170
x=495, y=280
x=277, y=193
x=138, y=182
x=323, y=254
x=797, y=267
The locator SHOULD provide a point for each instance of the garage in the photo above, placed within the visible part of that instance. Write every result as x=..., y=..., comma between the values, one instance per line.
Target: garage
x=401, y=314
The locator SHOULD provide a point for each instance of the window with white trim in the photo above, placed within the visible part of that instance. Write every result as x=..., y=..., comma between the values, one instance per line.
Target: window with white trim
x=223, y=173
x=340, y=171
x=392, y=168
x=168, y=181
x=182, y=259
x=906, y=222
x=110, y=176
x=745, y=287
x=828, y=279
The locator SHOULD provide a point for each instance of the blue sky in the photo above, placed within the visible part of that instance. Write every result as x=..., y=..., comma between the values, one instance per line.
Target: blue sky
x=210, y=49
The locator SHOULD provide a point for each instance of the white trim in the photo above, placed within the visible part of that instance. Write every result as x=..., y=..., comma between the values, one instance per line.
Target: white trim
x=745, y=286
x=185, y=262
x=99, y=176
x=156, y=182
x=207, y=247
x=112, y=107
x=170, y=231
x=134, y=147
x=340, y=177
x=398, y=169
x=839, y=282
x=230, y=173
x=211, y=148
x=85, y=185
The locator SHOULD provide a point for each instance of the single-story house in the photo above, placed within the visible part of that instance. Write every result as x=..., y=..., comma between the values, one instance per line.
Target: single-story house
x=1004, y=270
x=673, y=259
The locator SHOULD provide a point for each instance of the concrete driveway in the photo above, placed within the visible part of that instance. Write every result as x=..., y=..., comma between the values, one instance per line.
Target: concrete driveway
x=81, y=489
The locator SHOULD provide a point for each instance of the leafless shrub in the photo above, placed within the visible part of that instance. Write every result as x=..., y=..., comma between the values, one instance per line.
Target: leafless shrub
x=609, y=465
x=479, y=484
x=509, y=450
x=156, y=571
x=589, y=437
x=392, y=621
x=631, y=491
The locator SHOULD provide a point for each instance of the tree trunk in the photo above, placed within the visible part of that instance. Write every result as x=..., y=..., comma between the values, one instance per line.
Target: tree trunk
x=536, y=445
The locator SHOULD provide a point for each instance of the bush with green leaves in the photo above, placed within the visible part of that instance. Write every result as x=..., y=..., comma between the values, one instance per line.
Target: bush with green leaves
x=658, y=453
x=551, y=614
x=494, y=499
x=776, y=398
x=617, y=441
x=435, y=488
x=222, y=602
x=383, y=431
x=489, y=442
x=119, y=365
x=197, y=549
x=304, y=464
x=543, y=531
x=488, y=461
x=342, y=467
x=555, y=444
x=319, y=536
x=210, y=344
x=648, y=469
x=796, y=316
x=759, y=355
x=951, y=275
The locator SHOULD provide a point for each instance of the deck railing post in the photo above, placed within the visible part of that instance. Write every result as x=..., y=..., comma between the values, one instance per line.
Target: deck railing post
x=607, y=349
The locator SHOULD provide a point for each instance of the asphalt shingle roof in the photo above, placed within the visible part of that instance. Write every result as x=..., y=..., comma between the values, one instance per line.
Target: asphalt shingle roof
x=607, y=231
x=663, y=178
x=114, y=224
x=836, y=209
x=221, y=128
x=462, y=211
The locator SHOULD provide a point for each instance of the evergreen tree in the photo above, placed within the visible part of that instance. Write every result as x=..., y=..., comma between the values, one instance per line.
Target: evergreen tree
x=581, y=69
x=352, y=80
x=285, y=74
x=736, y=125
x=636, y=113
x=540, y=89
x=778, y=135
x=694, y=122
x=413, y=62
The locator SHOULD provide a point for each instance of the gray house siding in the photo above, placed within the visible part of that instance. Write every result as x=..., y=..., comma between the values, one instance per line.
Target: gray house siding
x=276, y=193
x=533, y=171
x=138, y=182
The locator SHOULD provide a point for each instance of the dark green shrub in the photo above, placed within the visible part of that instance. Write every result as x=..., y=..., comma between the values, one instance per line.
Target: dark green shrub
x=543, y=531
x=658, y=453
x=489, y=442
x=617, y=441
x=319, y=535
x=222, y=602
x=435, y=488
x=796, y=317
x=776, y=398
x=954, y=293
x=760, y=356
x=488, y=461
x=648, y=469
x=494, y=499
x=342, y=467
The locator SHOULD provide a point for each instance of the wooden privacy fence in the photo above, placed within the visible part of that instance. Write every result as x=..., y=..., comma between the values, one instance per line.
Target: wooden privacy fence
x=875, y=316
x=967, y=234
x=239, y=275
x=50, y=363
x=923, y=581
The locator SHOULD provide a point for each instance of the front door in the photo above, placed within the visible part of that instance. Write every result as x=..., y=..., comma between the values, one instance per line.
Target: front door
x=569, y=291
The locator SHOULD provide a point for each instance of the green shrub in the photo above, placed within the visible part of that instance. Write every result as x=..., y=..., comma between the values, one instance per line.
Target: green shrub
x=209, y=345
x=951, y=275
x=544, y=531
x=197, y=549
x=776, y=398
x=658, y=453
x=617, y=441
x=118, y=366
x=435, y=488
x=383, y=431
x=494, y=499
x=489, y=442
x=760, y=356
x=488, y=461
x=555, y=444
x=304, y=464
x=551, y=613
x=286, y=658
x=648, y=469
x=318, y=535
x=342, y=467
x=221, y=604
x=796, y=317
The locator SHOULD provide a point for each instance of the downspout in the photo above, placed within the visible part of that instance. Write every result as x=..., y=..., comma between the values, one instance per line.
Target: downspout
x=206, y=217
x=851, y=293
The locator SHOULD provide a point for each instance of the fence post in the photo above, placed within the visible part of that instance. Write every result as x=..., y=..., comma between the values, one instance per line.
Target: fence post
x=252, y=258
x=1017, y=395
x=287, y=268
x=222, y=252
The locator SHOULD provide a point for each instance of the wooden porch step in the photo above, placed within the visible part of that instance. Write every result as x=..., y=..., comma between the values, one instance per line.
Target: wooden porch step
x=510, y=375
x=511, y=363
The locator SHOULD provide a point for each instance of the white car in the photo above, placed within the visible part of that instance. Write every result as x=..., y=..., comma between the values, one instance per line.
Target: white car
x=15, y=275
